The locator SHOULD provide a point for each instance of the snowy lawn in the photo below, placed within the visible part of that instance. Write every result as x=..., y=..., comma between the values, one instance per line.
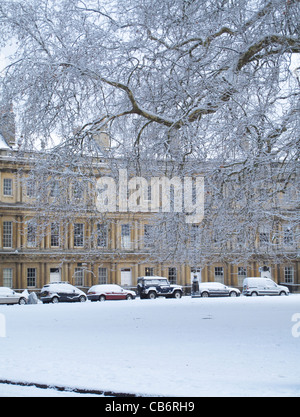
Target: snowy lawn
x=187, y=347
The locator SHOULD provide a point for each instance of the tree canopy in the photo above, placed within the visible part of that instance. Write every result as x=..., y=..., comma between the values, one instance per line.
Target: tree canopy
x=211, y=82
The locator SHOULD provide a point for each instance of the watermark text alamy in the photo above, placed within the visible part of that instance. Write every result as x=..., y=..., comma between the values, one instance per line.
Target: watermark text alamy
x=157, y=194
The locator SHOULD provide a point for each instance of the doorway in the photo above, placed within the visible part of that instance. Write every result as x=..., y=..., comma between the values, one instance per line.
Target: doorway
x=126, y=277
x=55, y=275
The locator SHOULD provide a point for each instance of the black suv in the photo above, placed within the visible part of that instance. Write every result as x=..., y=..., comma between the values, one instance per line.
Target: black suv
x=152, y=287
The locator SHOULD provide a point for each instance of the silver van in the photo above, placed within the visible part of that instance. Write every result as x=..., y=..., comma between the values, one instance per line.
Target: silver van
x=263, y=286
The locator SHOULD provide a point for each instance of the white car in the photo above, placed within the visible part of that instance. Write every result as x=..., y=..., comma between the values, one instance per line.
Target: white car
x=263, y=286
x=9, y=296
x=216, y=289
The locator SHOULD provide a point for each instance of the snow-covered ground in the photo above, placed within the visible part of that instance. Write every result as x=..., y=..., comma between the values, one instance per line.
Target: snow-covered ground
x=187, y=347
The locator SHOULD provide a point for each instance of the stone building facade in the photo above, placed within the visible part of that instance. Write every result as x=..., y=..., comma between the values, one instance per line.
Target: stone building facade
x=38, y=247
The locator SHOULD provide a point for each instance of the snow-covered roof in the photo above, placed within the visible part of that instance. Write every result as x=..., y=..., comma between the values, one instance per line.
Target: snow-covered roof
x=3, y=143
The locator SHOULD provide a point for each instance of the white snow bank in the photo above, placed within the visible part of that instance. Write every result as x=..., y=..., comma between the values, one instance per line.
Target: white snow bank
x=188, y=347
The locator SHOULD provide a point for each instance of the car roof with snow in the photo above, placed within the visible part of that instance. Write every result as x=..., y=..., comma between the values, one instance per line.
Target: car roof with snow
x=60, y=286
x=5, y=290
x=153, y=277
x=104, y=287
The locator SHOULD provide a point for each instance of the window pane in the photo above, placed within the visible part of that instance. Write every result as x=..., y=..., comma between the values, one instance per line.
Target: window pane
x=242, y=274
x=31, y=188
x=54, y=234
x=125, y=230
x=125, y=236
x=102, y=235
x=219, y=274
x=7, y=234
x=79, y=277
x=172, y=275
x=148, y=236
x=149, y=272
x=31, y=277
x=7, y=277
x=7, y=186
x=102, y=275
x=289, y=274
x=31, y=234
x=264, y=238
x=288, y=235
x=78, y=191
x=78, y=234
x=54, y=190
x=195, y=234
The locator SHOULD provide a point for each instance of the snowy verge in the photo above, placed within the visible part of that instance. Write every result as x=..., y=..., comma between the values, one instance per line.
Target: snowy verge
x=187, y=347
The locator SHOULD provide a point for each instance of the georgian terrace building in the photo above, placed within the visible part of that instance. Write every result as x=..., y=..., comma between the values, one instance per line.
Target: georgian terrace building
x=42, y=244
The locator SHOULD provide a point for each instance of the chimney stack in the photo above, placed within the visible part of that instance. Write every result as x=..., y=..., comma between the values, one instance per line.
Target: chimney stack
x=102, y=138
x=7, y=124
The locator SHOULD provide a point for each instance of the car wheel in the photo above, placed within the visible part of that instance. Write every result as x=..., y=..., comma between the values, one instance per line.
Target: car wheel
x=232, y=294
x=82, y=299
x=204, y=294
x=129, y=297
x=254, y=294
x=152, y=295
x=22, y=301
x=282, y=293
x=177, y=294
x=54, y=300
x=102, y=298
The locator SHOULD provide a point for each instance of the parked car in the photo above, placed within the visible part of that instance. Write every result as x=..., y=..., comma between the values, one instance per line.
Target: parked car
x=109, y=292
x=152, y=287
x=216, y=289
x=255, y=286
x=61, y=292
x=9, y=296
